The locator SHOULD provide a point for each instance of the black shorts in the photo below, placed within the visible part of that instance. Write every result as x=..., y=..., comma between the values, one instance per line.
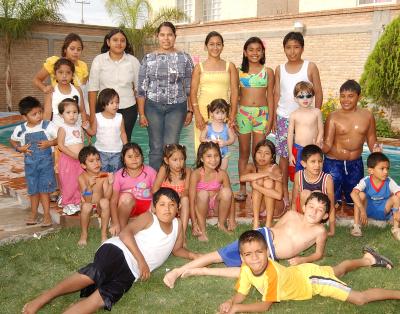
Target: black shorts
x=110, y=273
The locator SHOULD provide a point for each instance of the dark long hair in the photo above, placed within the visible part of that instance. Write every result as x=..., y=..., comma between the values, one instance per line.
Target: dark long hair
x=266, y=143
x=245, y=60
x=203, y=148
x=111, y=33
x=68, y=40
x=136, y=148
x=169, y=150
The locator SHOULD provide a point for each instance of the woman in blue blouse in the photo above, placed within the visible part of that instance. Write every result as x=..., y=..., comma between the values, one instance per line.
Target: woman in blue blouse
x=163, y=90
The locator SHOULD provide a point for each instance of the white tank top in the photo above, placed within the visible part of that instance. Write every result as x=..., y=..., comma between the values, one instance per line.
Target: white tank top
x=288, y=81
x=57, y=97
x=153, y=243
x=73, y=134
x=108, y=134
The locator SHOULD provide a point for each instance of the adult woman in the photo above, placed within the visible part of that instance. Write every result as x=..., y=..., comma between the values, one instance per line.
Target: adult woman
x=71, y=49
x=116, y=68
x=256, y=103
x=212, y=79
x=164, y=86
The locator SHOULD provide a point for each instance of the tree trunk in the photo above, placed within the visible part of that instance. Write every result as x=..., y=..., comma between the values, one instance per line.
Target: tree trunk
x=8, y=74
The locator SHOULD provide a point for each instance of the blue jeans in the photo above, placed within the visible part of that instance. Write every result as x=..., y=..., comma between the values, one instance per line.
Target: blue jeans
x=110, y=162
x=165, y=125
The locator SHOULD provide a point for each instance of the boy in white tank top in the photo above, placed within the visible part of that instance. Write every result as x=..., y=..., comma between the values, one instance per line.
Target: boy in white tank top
x=141, y=247
x=286, y=77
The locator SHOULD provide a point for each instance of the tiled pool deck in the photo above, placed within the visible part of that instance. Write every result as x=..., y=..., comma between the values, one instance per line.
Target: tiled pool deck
x=12, y=183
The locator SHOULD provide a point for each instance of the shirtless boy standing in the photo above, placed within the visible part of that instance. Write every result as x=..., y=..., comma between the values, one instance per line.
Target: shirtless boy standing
x=291, y=235
x=305, y=126
x=346, y=130
x=96, y=189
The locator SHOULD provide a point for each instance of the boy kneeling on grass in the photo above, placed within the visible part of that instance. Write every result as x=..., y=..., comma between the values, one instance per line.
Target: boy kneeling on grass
x=96, y=191
x=278, y=283
x=144, y=245
x=376, y=196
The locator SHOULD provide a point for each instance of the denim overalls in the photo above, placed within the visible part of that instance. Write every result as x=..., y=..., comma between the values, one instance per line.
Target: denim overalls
x=39, y=167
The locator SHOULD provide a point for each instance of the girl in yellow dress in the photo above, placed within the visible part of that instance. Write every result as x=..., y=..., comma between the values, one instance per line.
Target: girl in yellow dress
x=212, y=79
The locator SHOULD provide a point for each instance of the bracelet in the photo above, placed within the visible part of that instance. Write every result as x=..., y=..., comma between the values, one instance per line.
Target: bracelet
x=191, y=111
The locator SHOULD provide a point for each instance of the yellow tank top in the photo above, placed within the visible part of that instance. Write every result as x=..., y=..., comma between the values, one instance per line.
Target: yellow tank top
x=213, y=85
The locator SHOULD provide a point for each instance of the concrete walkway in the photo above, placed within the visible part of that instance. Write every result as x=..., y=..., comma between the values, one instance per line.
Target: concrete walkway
x=12, y=222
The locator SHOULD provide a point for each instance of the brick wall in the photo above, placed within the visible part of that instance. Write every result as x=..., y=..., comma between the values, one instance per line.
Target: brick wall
x=28, y=55
x=337, y=41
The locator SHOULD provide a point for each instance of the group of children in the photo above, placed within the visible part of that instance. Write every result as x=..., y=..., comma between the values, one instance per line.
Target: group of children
x=112, y=179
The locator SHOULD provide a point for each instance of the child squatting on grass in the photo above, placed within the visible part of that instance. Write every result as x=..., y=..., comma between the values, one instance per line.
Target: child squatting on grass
x=144, y=245
x=279, y=283
x=291, y=235
x=376, y=196
x=34, y=139
x=96, y=190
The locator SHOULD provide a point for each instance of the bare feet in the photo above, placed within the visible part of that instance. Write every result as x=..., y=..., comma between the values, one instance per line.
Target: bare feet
x=171, y=277
x=104, y=238
x=203, y=238
x=232, y=225
x=34, y=306
x=223, y=228
x=82, y=242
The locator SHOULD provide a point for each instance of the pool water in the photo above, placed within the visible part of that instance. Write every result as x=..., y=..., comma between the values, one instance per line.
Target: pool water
x=140, y=136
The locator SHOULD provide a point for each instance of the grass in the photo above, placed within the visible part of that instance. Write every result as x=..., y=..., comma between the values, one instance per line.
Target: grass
x=27, y=268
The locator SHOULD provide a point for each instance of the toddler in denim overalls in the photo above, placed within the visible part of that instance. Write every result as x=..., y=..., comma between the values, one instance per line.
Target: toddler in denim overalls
x=34, y=138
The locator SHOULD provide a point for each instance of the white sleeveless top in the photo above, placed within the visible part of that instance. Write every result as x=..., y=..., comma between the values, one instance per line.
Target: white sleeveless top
x=153, y=243
x=57, y=97
x=108, y=134
x=288, y=81
x=73, y=134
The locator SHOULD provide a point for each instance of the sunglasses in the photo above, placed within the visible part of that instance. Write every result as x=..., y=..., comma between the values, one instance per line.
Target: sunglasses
x=302, y=96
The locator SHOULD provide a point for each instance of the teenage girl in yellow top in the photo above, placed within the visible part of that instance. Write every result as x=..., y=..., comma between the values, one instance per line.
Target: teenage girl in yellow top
x=212, y=79
x=256, y=103
x=71, y=50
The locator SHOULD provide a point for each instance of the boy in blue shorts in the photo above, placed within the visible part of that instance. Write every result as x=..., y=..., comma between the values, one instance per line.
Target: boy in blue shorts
x=346, y=130
x=142, y=246
x=34, y=138
x=376, y=196
x=291, y=235
x=278, y=283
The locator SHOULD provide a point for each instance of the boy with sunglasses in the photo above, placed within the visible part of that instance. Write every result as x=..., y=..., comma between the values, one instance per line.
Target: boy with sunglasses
x=305, y=126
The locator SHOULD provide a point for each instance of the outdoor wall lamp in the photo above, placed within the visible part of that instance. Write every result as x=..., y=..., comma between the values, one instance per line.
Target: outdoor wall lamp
x=298, y=27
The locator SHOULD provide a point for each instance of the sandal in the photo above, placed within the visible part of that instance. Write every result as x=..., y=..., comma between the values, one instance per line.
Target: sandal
x=356, y=231
x=240, y=196
x=396, y=233
x=380, y=260
x=46, y=224
x=32, y=221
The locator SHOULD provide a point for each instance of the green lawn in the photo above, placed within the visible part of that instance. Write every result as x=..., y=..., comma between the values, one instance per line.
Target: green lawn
x=29, y=267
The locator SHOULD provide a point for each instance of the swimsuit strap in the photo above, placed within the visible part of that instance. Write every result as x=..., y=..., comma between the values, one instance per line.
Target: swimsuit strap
x=227, y=66
x=201, y=67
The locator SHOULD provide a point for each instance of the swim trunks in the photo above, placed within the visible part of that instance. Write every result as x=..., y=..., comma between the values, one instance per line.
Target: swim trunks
x=230, y=253
x=345, y=174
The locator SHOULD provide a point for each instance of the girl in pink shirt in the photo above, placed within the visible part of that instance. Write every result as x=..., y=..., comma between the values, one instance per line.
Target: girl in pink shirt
x=132, y=188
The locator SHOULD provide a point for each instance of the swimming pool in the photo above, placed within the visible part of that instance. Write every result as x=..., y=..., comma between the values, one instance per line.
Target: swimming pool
x=140, y=136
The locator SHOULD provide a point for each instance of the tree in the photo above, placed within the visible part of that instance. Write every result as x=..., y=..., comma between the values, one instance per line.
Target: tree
x=131, y=13
x=17, y=17
x=381, y=78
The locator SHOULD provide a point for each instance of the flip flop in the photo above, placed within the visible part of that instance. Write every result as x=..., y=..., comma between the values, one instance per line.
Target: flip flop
x=380, y=260
x=45, y=225
x=31, y=222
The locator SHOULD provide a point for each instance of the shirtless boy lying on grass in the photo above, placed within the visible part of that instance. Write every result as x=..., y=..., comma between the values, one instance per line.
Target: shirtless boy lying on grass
x=290, y=236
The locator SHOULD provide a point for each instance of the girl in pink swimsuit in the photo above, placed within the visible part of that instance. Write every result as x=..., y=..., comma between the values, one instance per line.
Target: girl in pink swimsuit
x=210, y=189
x=174, y=174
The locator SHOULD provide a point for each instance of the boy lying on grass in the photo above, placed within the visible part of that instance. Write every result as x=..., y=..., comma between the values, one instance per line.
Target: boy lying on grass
x=141, y=247
x=290, y=236
x=301, y=282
